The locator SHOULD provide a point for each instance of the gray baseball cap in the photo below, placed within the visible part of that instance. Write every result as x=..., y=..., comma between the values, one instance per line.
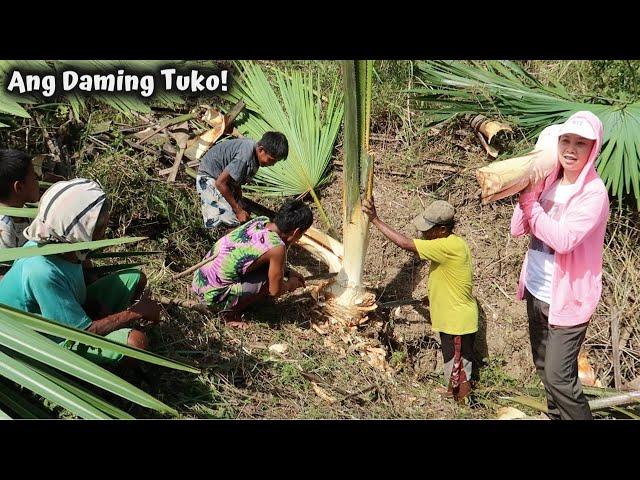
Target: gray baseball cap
x=438, y=213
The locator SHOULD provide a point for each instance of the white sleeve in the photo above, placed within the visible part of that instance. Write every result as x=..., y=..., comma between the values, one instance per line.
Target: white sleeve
x=18, y=232
x=7, y=236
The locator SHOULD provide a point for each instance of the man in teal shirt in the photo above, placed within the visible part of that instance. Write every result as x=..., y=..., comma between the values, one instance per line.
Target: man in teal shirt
x=54, y=286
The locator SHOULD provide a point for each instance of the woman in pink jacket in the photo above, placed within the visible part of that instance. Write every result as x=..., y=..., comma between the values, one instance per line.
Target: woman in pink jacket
x=561, y=278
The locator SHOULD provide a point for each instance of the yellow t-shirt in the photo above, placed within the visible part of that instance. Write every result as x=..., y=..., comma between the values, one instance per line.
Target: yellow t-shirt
x=453, y=308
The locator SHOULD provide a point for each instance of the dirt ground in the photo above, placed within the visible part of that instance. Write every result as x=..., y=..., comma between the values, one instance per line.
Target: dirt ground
x=312, y=374
x=291, y=363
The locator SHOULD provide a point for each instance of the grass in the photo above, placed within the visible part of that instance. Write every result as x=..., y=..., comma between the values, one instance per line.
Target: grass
x=241, y=378
x=609, y=78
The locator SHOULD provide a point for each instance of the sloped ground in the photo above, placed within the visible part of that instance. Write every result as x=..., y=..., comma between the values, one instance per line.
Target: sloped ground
x=319, y=375
x=312, y=373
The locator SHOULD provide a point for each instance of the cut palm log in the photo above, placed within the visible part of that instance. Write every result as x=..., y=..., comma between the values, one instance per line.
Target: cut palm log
x=508, y=177
x=485, y=127
x=615, y=401
x=201, y=144
x=220, y=123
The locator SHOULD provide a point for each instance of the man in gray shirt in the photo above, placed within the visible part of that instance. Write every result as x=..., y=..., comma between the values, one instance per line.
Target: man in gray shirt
x=226, y=167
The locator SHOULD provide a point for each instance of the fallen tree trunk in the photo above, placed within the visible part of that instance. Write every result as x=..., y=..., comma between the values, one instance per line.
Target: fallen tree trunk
x=615, y=401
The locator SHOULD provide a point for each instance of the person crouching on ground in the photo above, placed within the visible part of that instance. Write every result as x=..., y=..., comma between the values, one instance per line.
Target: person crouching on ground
x=250, y=261
x=226, y=167
x=54, y=286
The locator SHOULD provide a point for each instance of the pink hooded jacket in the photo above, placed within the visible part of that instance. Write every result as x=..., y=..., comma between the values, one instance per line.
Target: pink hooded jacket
x=577, y=238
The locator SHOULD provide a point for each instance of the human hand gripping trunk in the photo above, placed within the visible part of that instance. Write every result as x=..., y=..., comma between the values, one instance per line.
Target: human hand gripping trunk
x=369, y=208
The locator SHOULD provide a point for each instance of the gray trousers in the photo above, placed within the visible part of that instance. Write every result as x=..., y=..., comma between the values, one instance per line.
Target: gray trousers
x=555, y=354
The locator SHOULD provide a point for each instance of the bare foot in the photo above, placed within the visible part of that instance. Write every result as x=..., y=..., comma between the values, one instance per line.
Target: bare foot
x=232, y=319
x=236, y=324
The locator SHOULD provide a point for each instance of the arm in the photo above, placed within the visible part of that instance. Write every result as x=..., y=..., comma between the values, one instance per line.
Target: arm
x=399, y=239
x=144, y=309
x=113, y=322
x=563, y=236
x=519, y=224
x=237, y=191
x=277, y=284
x=223, y=185
x=54, y=296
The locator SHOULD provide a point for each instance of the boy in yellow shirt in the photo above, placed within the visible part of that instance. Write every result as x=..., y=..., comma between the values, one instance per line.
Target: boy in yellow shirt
x=453, y=309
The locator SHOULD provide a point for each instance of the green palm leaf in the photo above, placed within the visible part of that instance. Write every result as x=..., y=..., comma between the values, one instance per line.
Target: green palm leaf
x=310, y=127
x=15, y=401
x=9, y=254
x=452, y=88
x=19, y=212
x=12, y=108
x=25, y=376
x=49, y=327
x=27, y=342
x=80, y=392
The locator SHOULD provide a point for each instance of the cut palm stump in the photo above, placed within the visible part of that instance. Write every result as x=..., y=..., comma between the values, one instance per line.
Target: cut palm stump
x=484, y=127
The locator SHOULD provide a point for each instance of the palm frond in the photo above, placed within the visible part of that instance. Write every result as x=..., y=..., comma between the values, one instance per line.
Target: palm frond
x=15, y=400
x=451, y=88
x=19, y=212
x=25, y=341
x=310, y=126
x=78, y=390
x=37, y=363
x=23, y=375
x=49, y=327
x=126, y=102
x=10, y=254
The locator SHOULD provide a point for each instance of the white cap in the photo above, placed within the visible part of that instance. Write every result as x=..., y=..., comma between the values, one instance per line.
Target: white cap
x=578, y=126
